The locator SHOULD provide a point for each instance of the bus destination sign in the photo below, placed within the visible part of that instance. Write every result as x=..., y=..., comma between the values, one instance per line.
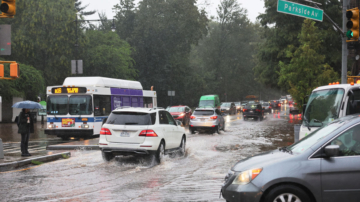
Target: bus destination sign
x=66, y=90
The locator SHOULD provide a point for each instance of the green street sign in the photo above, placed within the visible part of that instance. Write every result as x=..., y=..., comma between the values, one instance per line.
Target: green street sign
x=300, y=10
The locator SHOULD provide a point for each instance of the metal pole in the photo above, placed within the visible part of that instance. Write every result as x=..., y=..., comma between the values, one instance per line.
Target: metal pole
x=344, y=45
x=76, y=45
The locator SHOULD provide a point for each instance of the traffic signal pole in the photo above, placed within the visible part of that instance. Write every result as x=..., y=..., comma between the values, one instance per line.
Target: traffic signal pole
x=344, y=52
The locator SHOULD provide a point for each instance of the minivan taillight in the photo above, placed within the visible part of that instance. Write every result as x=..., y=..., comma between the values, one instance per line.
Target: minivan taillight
x=244, y=110
x=148, y=133
x=192, y=117
x=105, y=131
x=213, y=117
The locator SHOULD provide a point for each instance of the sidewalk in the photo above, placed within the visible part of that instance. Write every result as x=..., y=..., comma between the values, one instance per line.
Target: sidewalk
x=38, y=149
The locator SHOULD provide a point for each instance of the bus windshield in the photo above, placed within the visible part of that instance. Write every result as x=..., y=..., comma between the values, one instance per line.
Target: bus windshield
x=323, y=107
x=80, y=105
x=57, y=105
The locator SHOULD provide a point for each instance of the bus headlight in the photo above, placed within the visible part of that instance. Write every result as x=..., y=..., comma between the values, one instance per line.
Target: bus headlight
x=51, y=126
x=86, y=126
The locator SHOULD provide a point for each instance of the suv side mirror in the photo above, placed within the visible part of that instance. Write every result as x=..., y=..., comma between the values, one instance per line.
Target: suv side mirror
x=332, y=150
x=179, y=123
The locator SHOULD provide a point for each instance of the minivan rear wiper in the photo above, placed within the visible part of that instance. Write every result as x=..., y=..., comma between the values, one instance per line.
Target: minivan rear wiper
x=131, y=123
x=285, y=149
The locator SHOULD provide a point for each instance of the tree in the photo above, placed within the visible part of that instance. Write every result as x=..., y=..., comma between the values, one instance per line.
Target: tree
x=107, y=55
x=306, y=69
x=44, y=37
x=281, y=30
x=80, y=9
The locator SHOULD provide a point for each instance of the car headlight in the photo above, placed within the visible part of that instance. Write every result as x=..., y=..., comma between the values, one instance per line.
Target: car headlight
x=247, y=176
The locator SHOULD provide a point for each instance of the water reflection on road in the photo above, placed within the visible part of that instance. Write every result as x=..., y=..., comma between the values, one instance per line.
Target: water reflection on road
x=197, y=176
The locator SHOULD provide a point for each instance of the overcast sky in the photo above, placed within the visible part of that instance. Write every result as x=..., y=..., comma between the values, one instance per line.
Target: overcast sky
x=254, y=7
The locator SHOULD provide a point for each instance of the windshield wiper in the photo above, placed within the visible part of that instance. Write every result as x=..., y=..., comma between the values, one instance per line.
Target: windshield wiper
x=131, y=123
x=285, y=149
x=307, y=123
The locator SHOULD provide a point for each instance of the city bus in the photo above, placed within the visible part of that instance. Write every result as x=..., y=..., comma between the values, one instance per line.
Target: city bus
x=327, y=103
x=79, y=106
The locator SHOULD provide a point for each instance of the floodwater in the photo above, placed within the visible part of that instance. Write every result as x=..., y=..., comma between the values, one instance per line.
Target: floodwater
x=197, y=176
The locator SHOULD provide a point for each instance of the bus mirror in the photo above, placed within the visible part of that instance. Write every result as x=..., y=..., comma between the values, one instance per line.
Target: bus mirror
x=303, y=108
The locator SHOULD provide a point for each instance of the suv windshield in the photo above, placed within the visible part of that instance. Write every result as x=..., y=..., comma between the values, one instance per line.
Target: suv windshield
x=176, y=109
x=131, y=118
x=57, y=105
x=316, y=136
x=80, y=104
x=323, y=107
x=225, y=104
x=206, y=103
x=204, y=112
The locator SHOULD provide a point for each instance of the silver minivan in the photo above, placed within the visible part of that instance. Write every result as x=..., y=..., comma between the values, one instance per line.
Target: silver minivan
x=322, y=167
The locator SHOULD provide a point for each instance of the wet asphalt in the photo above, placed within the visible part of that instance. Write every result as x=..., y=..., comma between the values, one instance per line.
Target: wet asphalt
x=197, y=176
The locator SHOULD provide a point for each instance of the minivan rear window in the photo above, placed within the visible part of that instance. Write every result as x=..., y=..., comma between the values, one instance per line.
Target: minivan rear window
x=204, y=112
x=131, y=118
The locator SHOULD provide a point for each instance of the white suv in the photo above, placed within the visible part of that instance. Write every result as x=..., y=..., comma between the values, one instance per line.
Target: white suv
x=141, y=131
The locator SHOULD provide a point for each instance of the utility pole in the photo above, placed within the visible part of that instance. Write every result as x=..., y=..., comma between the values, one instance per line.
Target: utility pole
x=344, y=45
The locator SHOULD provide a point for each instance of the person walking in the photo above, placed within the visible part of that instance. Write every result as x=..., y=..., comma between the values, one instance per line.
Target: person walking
x=26, y=126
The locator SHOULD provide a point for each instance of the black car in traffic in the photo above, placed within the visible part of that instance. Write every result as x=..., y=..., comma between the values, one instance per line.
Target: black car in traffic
x=253, y=110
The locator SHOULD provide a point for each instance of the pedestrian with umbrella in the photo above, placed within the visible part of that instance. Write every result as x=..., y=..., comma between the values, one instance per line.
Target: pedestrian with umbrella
x=26, y=123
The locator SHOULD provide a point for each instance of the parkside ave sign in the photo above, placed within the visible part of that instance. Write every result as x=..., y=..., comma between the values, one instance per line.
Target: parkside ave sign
x=300, y=10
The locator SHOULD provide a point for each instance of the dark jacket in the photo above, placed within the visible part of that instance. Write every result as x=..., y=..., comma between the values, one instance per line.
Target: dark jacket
x=24, y=126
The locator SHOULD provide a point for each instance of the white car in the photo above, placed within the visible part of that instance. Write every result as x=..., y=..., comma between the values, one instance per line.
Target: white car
x=141, y=131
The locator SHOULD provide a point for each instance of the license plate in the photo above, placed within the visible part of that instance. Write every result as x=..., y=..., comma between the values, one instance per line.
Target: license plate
x=124, y=134
x=202, y=119
x=251, y=111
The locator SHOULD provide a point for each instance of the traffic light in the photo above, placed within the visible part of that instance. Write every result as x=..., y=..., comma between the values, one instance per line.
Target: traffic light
x=8, y=7
x=352, y=24
x=1, y=70
x=14, y=70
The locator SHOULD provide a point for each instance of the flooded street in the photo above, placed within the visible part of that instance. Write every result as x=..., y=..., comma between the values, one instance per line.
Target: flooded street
x=197, y=176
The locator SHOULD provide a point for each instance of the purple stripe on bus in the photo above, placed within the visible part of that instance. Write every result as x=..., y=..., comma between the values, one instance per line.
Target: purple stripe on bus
x=122, y=91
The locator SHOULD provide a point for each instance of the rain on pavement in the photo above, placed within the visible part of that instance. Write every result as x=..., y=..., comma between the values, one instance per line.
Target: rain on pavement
x=197, y=176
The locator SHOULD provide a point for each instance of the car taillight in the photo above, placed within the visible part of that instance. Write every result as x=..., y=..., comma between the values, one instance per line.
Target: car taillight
x=244, y=110
x=269, y=107
x=279, y=105
x=258, y=110
x=148, y=133
x=105, y=131
x=213, y=117
x=192, y=117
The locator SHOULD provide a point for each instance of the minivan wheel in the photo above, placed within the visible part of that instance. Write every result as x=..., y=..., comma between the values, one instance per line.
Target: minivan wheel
x=107, y=156
x=287, y=193
x=159, y=155
x=217, y=129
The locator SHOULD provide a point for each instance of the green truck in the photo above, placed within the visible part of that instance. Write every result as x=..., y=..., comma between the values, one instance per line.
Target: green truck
x=212, y=101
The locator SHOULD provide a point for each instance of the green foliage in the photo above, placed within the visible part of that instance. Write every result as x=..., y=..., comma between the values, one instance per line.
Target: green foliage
x=306, y=69
x=29, y=85
x=281, y=30
x=36, y=162
x=107, y=55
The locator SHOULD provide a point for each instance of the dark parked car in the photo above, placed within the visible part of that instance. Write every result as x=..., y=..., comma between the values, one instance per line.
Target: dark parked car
x=228, y=108
x=181, y=113
x=253, y=110
x=323, y=166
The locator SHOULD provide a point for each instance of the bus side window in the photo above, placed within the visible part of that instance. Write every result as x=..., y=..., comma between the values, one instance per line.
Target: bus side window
x=102, y=105
x=353, y=107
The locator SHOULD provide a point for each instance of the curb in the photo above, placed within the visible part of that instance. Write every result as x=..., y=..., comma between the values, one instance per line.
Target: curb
x=72, y=147
x=16, y=164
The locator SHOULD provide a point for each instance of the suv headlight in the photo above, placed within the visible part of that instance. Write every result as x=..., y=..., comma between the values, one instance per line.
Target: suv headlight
x=247, y=176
